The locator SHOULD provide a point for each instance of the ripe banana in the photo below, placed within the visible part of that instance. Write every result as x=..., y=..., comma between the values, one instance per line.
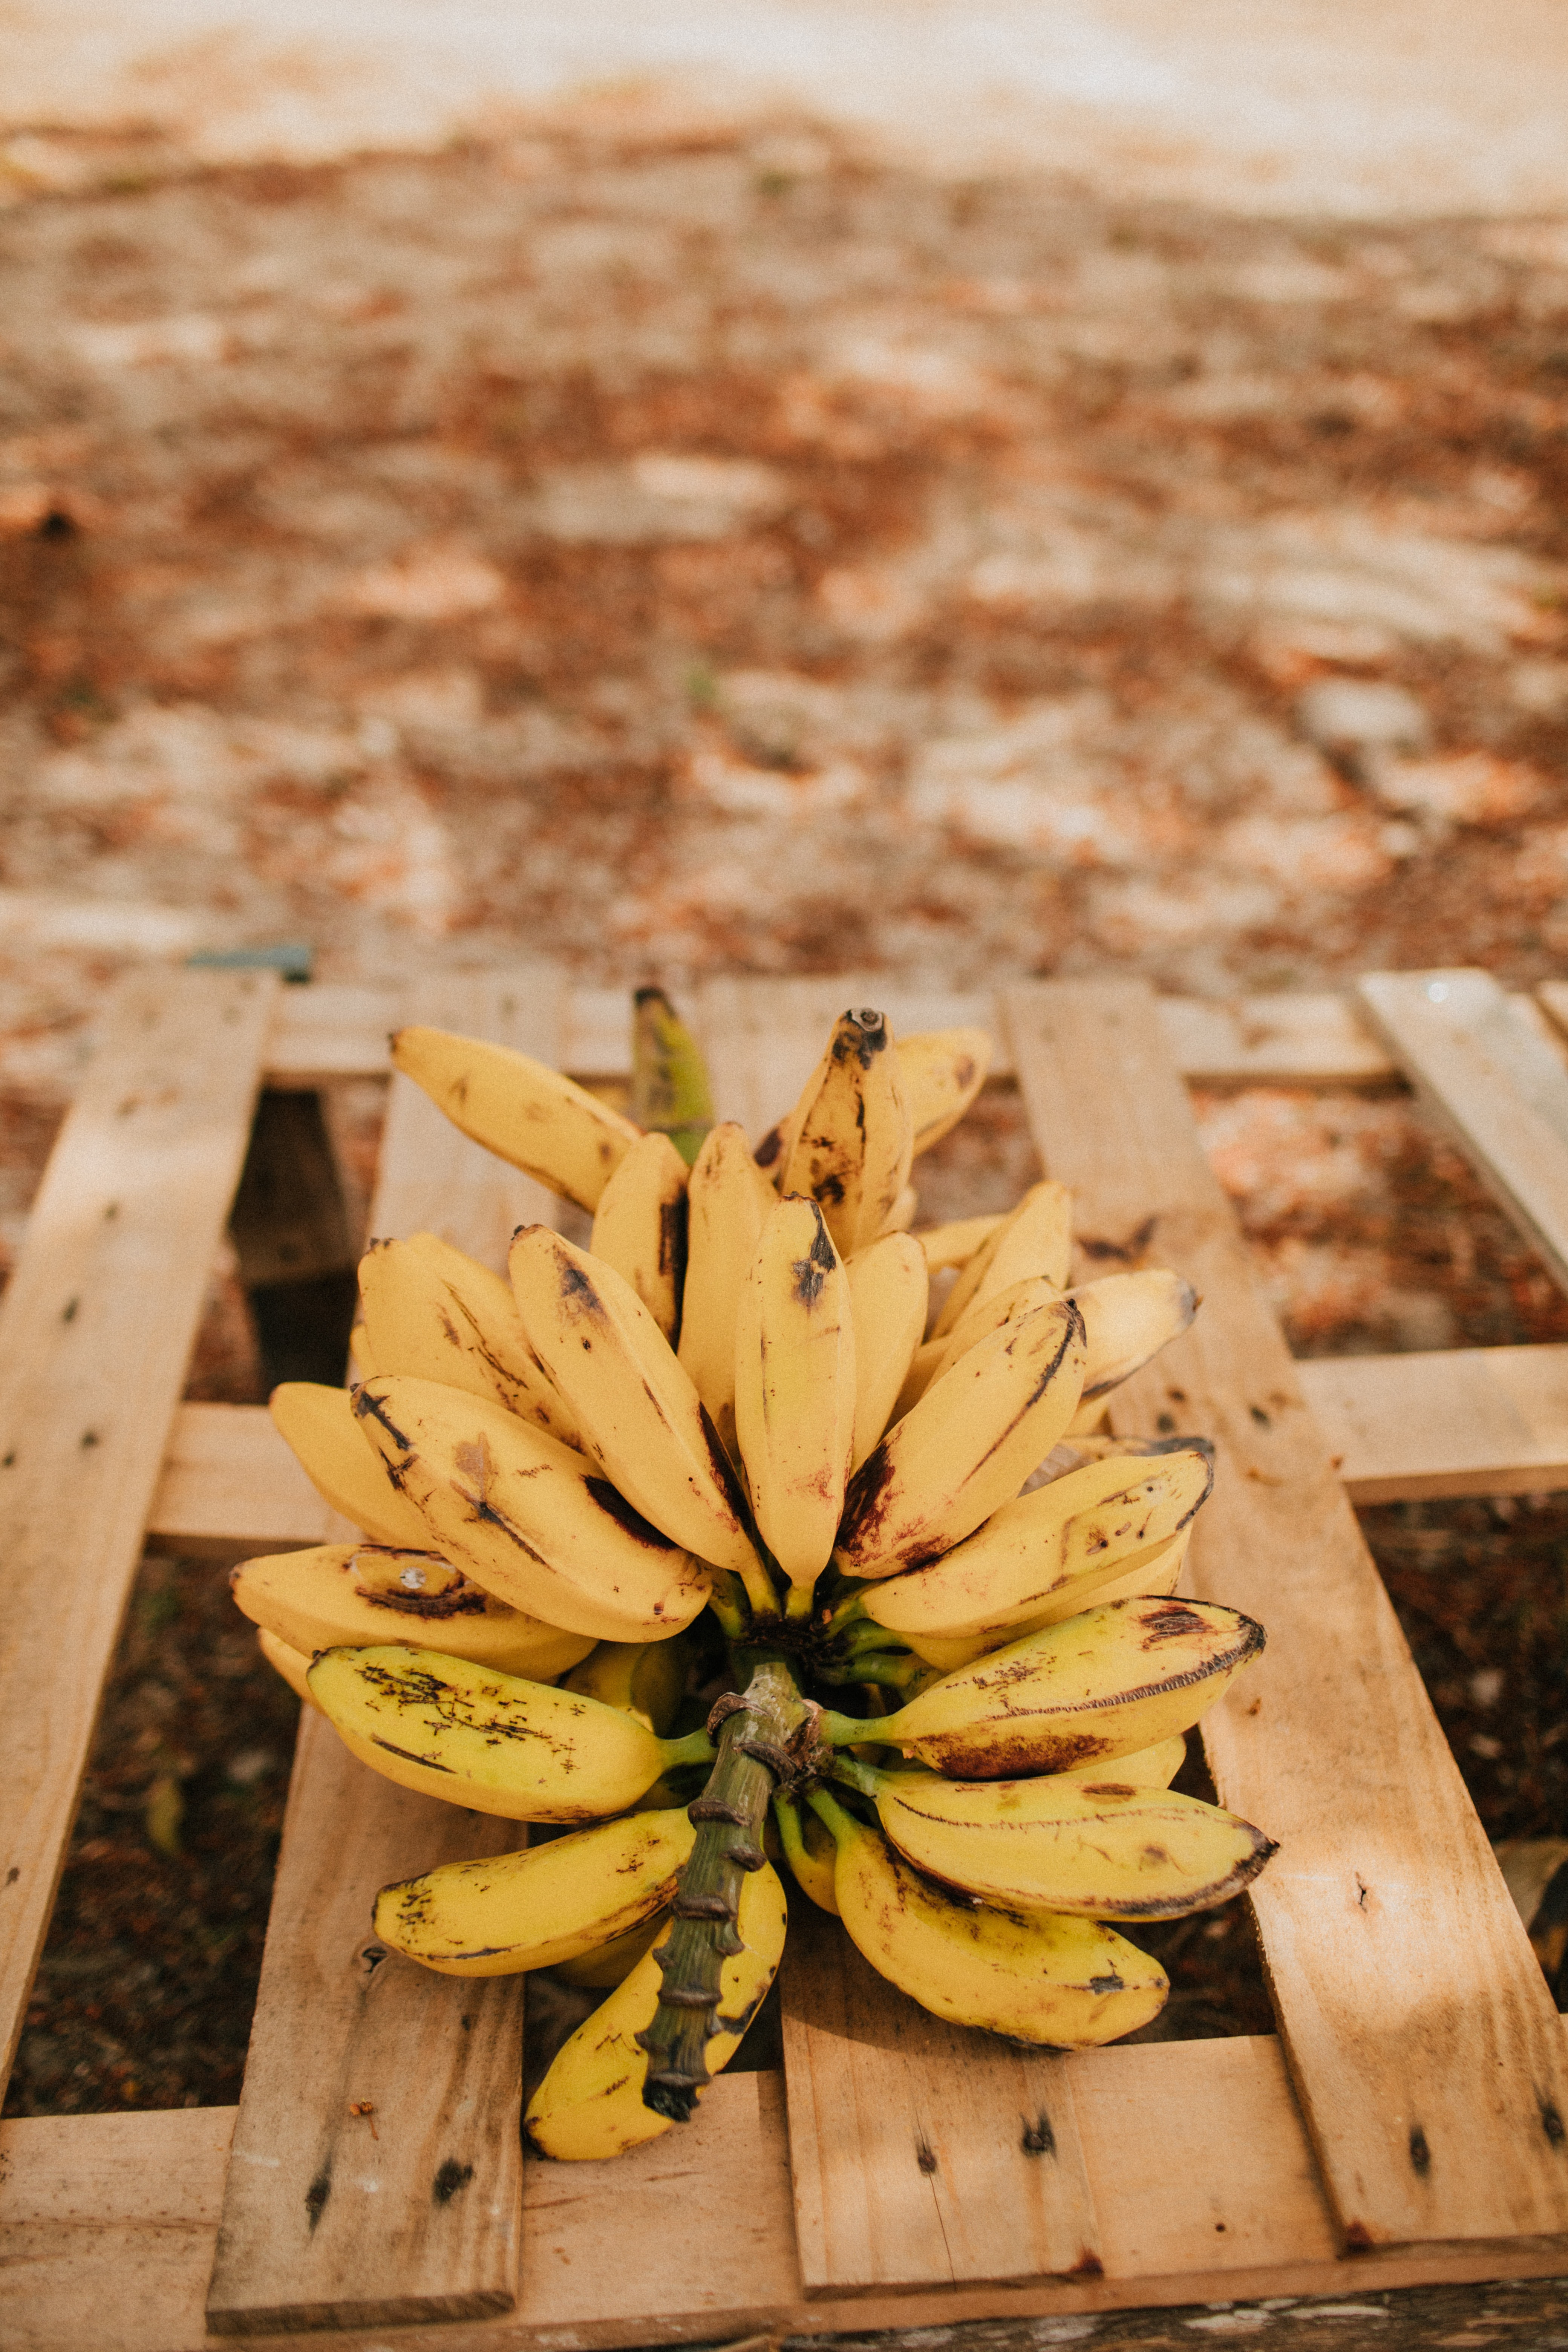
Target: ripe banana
x=671, y=1092
x=941, y=1071
x=808, y=1849
x=349, y=1596
x=1068, y=1983
x=1103, y=1848
x=1074, y=1533
x=294, y=1665
x=1036, y=1239
x=554, y=1903
x=903, y=1212
x=1150, y=1574
x=641, y=1417
x=609, y=1965
x=851, y=1150
x=727, y=1200
x=320, y=1427
x=639, y=1227
x=1146, y=1768
x=889, y=1287
x=966, y=1448
x=488, y=1740
x=436, y=1314
x=954, y=1244
x=1127, y=1318
x=527, y=1114
x=939, y=1355
x=527, y=1518
x=590, y=2103
x=648, y=1679
x=795, y=1389
x=1103, y=1683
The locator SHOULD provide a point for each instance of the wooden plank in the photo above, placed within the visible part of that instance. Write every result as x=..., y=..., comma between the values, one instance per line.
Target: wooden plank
x=1494, y=1078
x=1421, y=2038
x=921, y=2153
x=324, y=2223
x=95, y=1333
x=1462, y=1420
x=230, y=1487
x=1195, y=2155
x=1287, y=1039
x=910, y=2084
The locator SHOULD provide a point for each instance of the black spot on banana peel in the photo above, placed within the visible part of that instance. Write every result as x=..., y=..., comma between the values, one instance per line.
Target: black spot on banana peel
x=811, y=1272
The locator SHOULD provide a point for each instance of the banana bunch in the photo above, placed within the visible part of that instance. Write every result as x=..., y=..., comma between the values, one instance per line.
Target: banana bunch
x=765, y=1530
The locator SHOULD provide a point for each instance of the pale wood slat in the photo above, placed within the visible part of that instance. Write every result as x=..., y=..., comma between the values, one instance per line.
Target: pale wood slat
x=761, y=1041
x=920, y=2152
x=1194, y=2150
x=421, y=2222
x=1463, y=1420
x=1421, y=2037
x=1280, y=1040
x=230, y=1488
x=95, y=1333
x=1490, y=1071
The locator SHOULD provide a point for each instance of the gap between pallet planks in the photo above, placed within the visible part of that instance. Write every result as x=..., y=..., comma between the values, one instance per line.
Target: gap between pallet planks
x=392, y=2192
x=572, y=2318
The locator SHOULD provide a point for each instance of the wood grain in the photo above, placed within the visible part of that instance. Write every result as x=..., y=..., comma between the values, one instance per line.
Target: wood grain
x=326, y=2224
x=230, y=1487
x=921, y=2153
x=95, y=1333
x=1490, y=1071
x=1195, y=2155
x=1465, y=1421
x=1420, y=2035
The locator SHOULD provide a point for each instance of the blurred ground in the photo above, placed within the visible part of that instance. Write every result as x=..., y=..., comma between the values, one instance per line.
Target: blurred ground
x=1108, y=514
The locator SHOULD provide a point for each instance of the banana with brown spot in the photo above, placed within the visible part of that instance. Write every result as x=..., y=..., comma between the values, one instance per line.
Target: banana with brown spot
x=526, y=1113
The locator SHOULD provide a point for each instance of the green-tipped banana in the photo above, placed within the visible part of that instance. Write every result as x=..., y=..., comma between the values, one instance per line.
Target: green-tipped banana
x=671, y=1092
x=554, y=1904
x=1066, y=1982
x=1101, y=1847
x=491, y=1741
x=1055, y=1544
x=1103, y=1683
x=590, y=2104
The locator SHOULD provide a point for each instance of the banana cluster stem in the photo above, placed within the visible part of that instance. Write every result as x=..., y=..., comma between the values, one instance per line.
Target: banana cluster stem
x=728, y=1816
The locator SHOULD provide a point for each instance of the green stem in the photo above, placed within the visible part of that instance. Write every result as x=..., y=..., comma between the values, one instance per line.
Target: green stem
x=693, y=1748
x=829, y=1811
x=850, y=1730
x=727, y=1600
x=854, y=1774
x=752, y=1744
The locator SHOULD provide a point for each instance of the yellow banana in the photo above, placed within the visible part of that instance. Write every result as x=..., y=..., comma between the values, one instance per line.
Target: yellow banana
x=1036, y=1240
x=966, y=1448
x=942, y=1071
x=978, y=1321
x=1102, y=1683
x=320, y=1427
x=590, y=2104
x=555, y=1903
x=1102, y=1848
x=294, y=1665
x=955, y=1243
x=348, y=1596
x=1149, y=1575
x=640, y=1414
x=1127, y=1318
x=648, y=1679
x=609, y=1965
x=889, y=1287
x=523, y=1112
x=795, y=1389
x=639, y=1227
x=727, y=1200
x=1068, y=1983
x=1146, y=1768
x=527, y=1518
x=436, y=1314
x=491, y=1741
x=809, y=1850
x=852, y=1149
x=903, y=1212
x=1074, y=1533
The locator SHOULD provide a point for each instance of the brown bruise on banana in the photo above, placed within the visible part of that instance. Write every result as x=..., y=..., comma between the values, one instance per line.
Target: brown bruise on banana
x=440, y=1592
x=867, y=1505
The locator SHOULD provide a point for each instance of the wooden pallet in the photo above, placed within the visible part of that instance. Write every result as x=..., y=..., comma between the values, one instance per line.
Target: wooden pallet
x=1405, y=2126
